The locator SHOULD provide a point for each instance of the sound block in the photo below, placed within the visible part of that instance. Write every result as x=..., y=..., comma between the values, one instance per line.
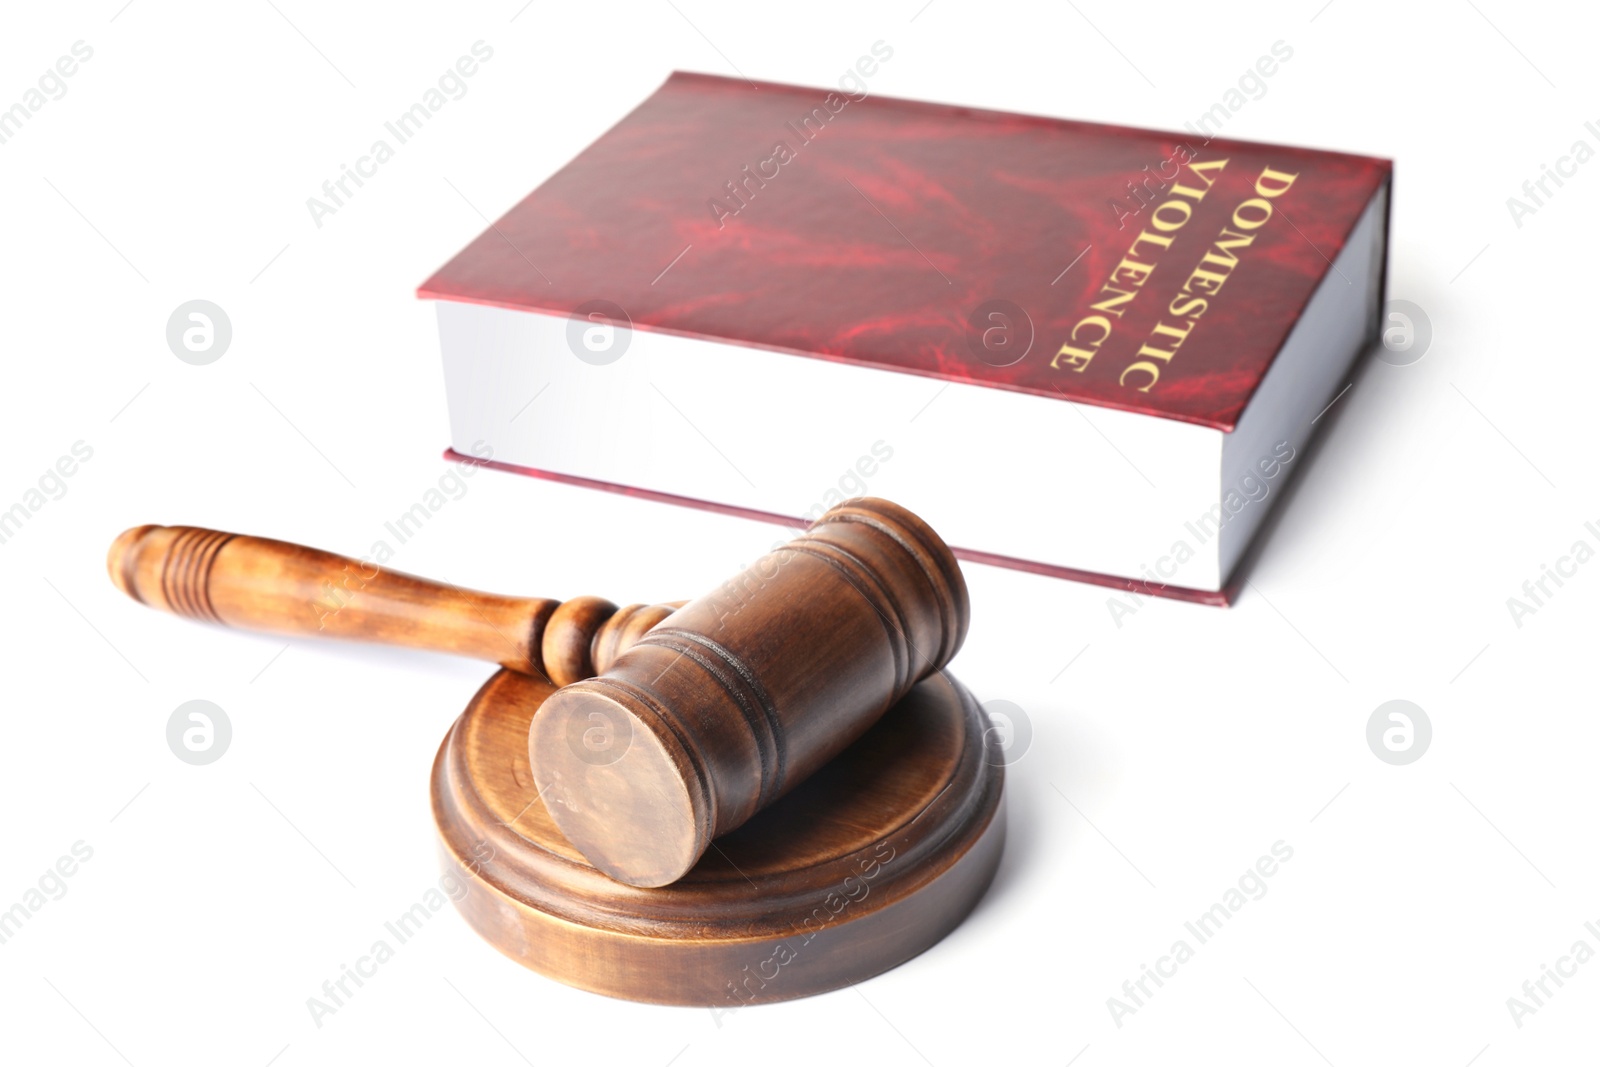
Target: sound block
x=859, y=868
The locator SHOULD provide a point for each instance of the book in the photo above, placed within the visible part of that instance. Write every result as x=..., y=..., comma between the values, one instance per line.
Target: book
x=1083, y=350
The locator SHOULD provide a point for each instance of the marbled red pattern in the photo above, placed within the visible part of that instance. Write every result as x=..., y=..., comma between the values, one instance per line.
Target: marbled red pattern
x=975, y=205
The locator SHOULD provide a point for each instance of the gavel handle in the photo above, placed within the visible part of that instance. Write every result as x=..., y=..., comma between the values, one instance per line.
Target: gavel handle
x=254, y=583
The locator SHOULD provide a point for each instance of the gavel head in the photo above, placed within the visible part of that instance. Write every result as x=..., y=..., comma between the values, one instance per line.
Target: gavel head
x=744, y=692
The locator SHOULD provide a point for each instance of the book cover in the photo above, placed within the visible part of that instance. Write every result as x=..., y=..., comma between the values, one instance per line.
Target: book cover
x=1144, y=272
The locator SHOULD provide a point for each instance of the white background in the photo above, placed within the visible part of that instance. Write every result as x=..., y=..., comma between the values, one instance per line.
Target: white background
x=1174, y=749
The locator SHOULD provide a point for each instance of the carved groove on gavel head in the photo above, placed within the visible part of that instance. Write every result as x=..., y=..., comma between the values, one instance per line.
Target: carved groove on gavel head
x=741, y=694
x=254, y=583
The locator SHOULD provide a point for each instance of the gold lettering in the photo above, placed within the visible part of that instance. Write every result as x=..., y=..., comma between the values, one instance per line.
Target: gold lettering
x=1152, y=352
x=1167, y=226
x=1077, y=358
x=1211, y=167
x=1208, y=276
x=1145, y=235
x=1137, y=272
x=1228, y=262
x=1282, y=180
x=1204, y=281
x=1114, y=304
x=1144, y=367
x=1133, y=270
x=1173, y=332
x=1243, y=222
x=1228, y=241
x=1097, y=320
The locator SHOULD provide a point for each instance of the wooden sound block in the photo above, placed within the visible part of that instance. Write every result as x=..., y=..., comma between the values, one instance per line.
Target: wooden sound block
x=864, y=865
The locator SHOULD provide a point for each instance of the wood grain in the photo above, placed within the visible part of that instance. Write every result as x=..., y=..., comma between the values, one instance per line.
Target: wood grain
x=718, y=711
x=255, y=583
x=867, y=863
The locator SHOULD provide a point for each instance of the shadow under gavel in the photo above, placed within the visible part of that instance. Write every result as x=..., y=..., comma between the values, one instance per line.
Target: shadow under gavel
x=672, y=727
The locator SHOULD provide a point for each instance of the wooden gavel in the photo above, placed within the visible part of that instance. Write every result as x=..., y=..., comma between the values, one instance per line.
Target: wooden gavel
x=255, y=583
x=676, y=723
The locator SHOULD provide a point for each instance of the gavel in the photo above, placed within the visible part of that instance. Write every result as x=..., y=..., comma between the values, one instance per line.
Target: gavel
x=255, y=583
x=676, y=722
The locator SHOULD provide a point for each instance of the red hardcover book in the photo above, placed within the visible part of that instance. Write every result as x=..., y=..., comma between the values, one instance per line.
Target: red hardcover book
x=1077, y=349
